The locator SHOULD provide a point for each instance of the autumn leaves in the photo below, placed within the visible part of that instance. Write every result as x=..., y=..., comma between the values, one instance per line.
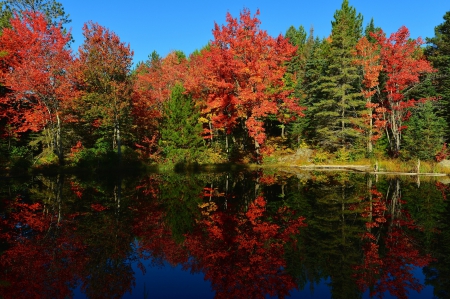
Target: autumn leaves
x=238, y=84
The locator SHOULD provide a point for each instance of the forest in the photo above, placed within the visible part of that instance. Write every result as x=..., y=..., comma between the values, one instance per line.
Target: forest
x=244, y=97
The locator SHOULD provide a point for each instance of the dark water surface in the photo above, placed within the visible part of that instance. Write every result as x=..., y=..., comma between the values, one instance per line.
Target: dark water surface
x=253, y=234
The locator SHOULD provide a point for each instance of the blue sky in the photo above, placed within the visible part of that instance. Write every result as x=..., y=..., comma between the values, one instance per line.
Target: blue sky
x=165, y=26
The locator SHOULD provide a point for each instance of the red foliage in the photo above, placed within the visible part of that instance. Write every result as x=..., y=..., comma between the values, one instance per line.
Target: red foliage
x=268, y=179
x=76, y=189
x=98, y=207
x=367, y=56
x=443, y=153
x=240, y=77
x=36, y=69
x=40, y=260
x=443, y=188
x=151, y=90
x=76, y=148
x=392, y=272
x=403, y=64
x=102, y=76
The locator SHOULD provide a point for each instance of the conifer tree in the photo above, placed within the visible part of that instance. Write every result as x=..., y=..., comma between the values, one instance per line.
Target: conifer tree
x=424, y=134
x=438, y=53
x=181, y=130
x=315, y=70
x=340, y=108
x=295, y=76
x=370, y=28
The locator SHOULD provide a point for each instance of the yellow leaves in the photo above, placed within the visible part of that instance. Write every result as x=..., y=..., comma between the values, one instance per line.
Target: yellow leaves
x=203, y=120
x=207, y=208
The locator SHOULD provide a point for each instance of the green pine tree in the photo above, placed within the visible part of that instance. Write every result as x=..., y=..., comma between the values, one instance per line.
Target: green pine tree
x=338, y=110
x=438, y=53
x=370, y=28
x=315, y=70
x=181, y=131
x=424, y=134
x=295, y=77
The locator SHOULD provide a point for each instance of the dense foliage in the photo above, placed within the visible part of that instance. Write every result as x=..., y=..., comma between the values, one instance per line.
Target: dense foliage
x=246, y=94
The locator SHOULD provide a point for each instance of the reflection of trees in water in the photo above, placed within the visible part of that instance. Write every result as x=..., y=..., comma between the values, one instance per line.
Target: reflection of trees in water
x=242, y=253
x=43, y=255
x=69, y=241
x=329, y=245
x=390, y=250
x=244, y=230
x=432, y=211
x=227, y=233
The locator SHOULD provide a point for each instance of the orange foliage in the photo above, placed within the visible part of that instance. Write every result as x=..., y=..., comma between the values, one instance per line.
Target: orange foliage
x=240, y=77
x=36, y=71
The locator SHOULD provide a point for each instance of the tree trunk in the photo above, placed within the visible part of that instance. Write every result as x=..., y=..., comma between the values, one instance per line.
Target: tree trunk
x=369, y=188
x=210, y=131
x=257, y=147
x=116, y=137
x=226, y=142
x=119, y=150
x=59, y=147
x=369, y=141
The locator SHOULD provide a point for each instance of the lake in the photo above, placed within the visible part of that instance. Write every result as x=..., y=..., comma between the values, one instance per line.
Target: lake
x=241, y=234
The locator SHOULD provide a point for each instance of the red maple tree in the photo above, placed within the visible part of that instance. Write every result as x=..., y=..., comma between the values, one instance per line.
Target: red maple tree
x=368, y=57
x=240, y=77
x=403, y=64
x=38, y=62
x=102, y=72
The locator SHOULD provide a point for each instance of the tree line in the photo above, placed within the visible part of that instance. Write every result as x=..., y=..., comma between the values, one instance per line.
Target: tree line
x=356, y=93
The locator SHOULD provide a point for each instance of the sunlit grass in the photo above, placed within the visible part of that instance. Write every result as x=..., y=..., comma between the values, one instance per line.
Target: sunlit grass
x=382, y=164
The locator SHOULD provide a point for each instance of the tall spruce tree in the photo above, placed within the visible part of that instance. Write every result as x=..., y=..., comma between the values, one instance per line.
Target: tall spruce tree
x=438, y=53
x=181, y=130
x=315, y=70
x=295, y=77
x=370, y=28
x=340, y=109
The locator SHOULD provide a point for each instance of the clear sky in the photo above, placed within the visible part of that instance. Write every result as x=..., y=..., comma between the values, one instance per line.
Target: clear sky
x=165, y=26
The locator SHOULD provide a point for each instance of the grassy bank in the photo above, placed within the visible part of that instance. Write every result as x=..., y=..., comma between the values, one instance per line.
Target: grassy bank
x=311, y=158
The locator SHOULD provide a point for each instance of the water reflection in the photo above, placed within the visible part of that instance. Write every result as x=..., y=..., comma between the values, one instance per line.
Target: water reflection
x=248, y=234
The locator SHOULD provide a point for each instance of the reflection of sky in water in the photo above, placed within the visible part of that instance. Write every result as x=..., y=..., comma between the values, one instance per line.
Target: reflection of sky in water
x=174, y=283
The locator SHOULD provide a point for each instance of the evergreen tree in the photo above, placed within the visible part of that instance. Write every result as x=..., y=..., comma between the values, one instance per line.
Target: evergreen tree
x=52, y=9
x=438, y=53
x=295, y=76
x=299, y=38
x=181, y=130
x=340, y=108
x=315, y=70
x=424, y=135
x=370, y=28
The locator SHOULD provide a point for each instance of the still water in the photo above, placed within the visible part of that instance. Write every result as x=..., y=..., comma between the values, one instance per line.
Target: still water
x=256, y=234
